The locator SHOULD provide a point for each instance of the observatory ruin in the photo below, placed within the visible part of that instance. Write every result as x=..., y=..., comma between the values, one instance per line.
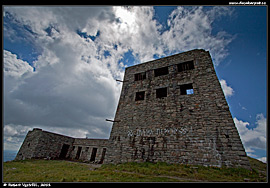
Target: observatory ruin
x=170, y=109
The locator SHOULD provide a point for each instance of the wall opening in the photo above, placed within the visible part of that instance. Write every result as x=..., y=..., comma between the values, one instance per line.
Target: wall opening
x=186, y=89
x=140, y=76
x=78, y=152
x=64, y=151
x=139, y=96
x=93, y=155
x=161, y=92
x=102, y=156
x=189, y=65
x=161, y=71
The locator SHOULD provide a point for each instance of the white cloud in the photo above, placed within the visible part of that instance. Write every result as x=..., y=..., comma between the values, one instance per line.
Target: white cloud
x=15, y=67
x=254, y=138
x=73, y=89
x=14, y=135
x=227, y=90
x=192, y=28
x=263, y=159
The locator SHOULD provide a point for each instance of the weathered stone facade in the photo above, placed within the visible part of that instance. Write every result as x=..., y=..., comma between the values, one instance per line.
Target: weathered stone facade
x=92, y=150
x=171, y=109
x=40, y=144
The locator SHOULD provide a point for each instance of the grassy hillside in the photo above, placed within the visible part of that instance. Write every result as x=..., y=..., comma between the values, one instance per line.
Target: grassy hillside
x=66, y=171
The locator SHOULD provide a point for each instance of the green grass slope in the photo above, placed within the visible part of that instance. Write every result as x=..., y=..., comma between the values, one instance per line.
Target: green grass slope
x=66, y=171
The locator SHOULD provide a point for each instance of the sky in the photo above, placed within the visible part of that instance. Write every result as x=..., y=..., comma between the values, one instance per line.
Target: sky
x=60, y=63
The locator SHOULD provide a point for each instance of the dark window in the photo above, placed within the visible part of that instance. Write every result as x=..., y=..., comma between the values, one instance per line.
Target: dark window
x=86, y=149
x=186, y=89
x=189, y=65
x=140, y=76
x=78, y=152
x=161, y=71
x=162, y=92
x=139, y=96
x=64, y=151
x=93, y=155
x=102, y=156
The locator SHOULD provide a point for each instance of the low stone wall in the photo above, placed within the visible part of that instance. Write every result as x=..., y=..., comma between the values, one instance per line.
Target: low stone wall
x=92, y=150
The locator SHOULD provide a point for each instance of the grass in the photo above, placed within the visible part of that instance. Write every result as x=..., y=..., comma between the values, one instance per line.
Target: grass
x=66, y=171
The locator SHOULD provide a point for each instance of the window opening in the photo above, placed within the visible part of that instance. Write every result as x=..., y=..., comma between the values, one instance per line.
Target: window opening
x=102, y=156
x=93, y=155
x=139, y=96
x=140, y=76
x=186, y=89
x=161, y=92
x=161, y=71
x=189, y=65
x=189, y=91
x=64, y=151
x=78, y=152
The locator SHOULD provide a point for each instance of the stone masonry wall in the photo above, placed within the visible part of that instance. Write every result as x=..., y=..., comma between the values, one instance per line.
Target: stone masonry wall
x=50, y=145
x=87, y=149
x=40, y=144
x=194, y=128
x=28, y=146
x=43, y=144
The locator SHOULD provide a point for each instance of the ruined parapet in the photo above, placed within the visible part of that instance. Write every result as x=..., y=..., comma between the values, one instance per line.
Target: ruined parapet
x=173, y=110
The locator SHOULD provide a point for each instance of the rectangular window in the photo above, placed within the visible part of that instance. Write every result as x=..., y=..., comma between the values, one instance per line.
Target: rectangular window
x=186, y=89
x=162, y=92
x=140, y=76
x=93, y=155
x=64, y=151
x=78, y=152
x=102, y=156
x=161, y=71
x=189, y=65
x=139, y=96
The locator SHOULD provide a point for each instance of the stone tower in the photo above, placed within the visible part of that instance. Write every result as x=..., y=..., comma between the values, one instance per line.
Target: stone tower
x=173, y=110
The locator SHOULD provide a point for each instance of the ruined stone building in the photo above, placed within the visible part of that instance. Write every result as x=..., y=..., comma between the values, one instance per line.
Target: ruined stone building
x=40, y=144
x=171, y=109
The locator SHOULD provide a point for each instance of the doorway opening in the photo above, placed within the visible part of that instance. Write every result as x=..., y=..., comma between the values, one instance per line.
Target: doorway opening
x=93, y=155
x=78, y=152
x=102, y=156
x=64, y=151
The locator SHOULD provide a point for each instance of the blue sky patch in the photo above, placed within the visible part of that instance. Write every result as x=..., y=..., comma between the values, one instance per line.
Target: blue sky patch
x=84, y=35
